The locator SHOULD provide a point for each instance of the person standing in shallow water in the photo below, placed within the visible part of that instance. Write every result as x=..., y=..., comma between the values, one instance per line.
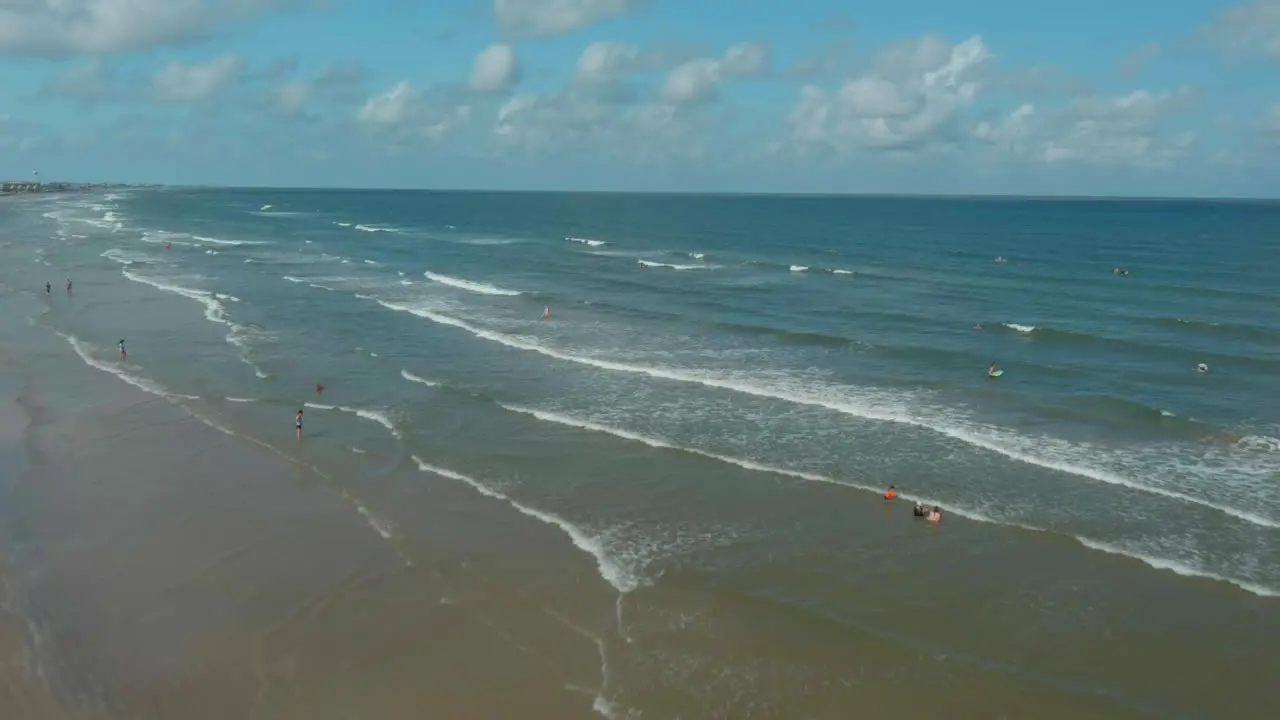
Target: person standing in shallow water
x=122, y=352
x=48, y=288
x=298, y=423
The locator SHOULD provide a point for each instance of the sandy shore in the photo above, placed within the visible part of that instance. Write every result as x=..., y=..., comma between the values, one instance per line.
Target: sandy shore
x=171, y=570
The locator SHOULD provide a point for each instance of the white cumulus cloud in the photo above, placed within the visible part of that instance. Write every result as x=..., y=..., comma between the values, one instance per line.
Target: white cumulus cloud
x=1137, y=129
x=65, y=27
x=494, y=69
x=405, y=114
x=605, y=60
x=393, y=107
x=913, y=96
x=1126, y=130
x=581, y=126
x=179, y=83
x=699, y=79
x=548, y=18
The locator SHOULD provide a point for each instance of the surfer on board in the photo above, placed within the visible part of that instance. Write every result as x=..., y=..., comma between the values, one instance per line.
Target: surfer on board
x=992, y=371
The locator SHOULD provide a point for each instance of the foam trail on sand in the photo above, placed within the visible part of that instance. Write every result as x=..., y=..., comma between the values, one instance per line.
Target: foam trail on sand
x=802, y=395
x=86, y=353
x=385, y=528
x=380, y=525
x=1177, y=568
x=619, y=577
x=601, y=703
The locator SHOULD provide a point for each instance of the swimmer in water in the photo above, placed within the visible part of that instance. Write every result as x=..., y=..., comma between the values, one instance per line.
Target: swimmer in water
x=122, y=352
x=297, y=421
x=1203, y=367
x=920, y=510
x=935, y=514
x=891, y=493
x=48, y=288
x=978, y=326
x=319, y=388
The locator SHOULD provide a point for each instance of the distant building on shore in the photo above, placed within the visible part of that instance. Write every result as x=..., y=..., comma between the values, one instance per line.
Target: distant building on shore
x=11, y=187
x=19, y=186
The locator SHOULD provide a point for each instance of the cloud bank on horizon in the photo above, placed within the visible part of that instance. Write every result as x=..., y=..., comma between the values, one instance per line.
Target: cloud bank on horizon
x=1054, y=97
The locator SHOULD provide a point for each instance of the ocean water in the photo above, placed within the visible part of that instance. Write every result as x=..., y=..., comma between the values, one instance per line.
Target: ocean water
x=708, y=358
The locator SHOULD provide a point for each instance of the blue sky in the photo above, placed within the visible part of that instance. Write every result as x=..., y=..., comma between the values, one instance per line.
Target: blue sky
x=1055, y=97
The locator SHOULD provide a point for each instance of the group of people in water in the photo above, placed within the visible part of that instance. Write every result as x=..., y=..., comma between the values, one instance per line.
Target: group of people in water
x=932, y=513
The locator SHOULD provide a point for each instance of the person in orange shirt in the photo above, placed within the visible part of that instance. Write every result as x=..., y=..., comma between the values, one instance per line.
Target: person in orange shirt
x=891, y=494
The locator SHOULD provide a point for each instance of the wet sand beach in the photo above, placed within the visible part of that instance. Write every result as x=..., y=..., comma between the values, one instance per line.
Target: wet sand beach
x=171, y=570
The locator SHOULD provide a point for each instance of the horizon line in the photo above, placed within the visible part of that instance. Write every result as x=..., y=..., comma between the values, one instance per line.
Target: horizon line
x=698, y=193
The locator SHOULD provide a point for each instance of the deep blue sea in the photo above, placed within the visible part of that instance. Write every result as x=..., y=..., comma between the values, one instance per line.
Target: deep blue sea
x=828, y=340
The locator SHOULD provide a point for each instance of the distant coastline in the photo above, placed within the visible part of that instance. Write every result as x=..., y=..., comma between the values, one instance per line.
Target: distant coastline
x=25, y=187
